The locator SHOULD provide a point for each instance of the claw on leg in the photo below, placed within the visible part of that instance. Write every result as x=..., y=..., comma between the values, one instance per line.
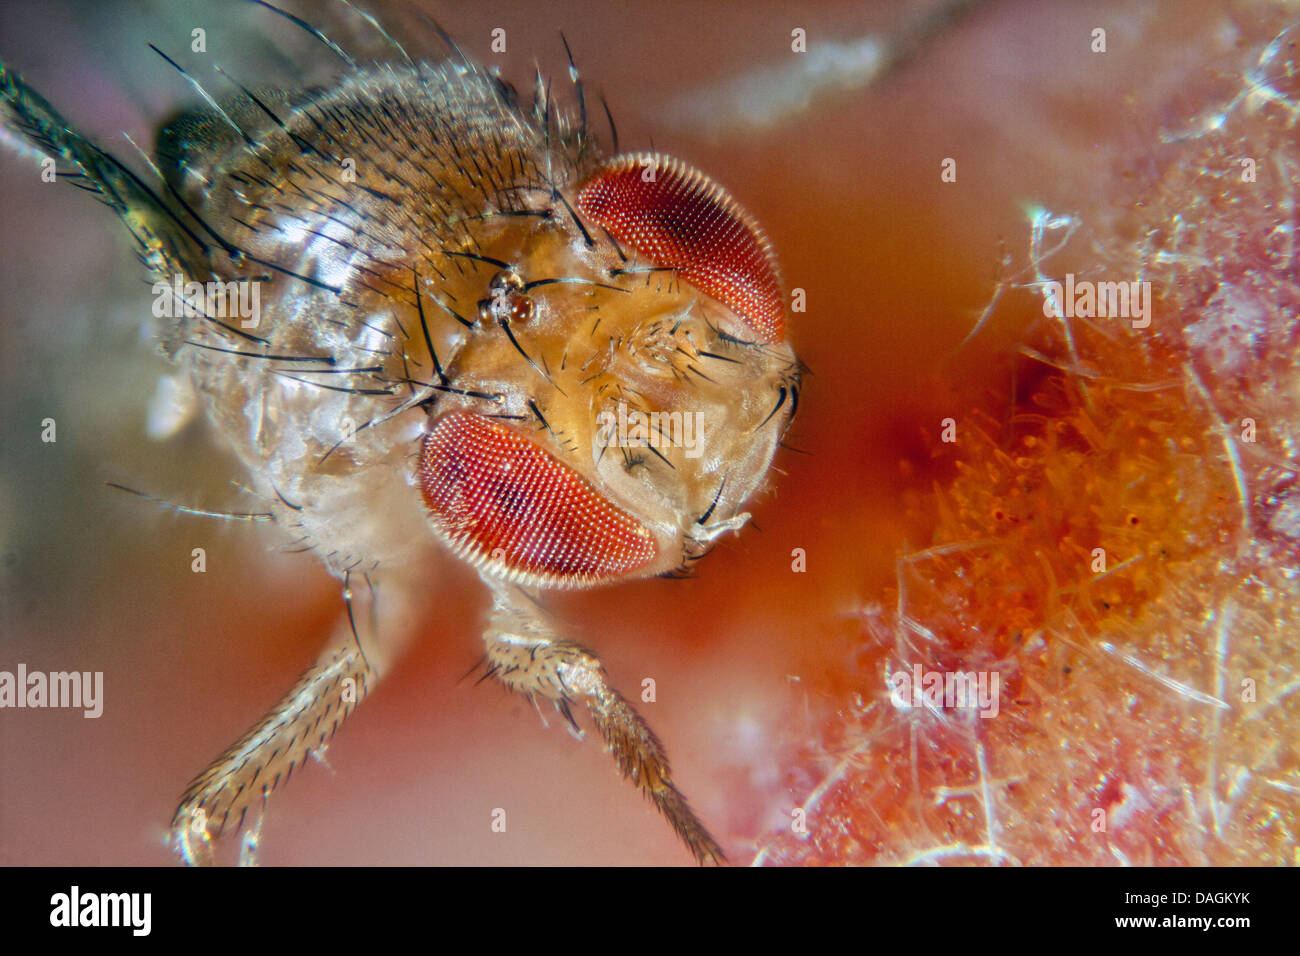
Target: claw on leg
x=524, y=655
x=252, y=840
x=190, y=837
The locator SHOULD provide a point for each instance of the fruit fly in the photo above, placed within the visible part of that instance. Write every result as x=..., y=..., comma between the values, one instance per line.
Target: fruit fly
x=426, y=312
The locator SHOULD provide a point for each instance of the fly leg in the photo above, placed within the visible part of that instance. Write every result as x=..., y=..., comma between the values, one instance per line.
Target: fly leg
x=298, y=727
x=253, y=767
x=524, y=655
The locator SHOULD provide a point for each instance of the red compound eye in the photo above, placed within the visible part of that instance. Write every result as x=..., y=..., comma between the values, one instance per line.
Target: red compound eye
x=488, y=488
x=681, y=219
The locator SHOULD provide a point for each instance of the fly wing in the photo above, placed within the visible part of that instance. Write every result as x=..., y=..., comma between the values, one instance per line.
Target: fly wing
x=166, y=242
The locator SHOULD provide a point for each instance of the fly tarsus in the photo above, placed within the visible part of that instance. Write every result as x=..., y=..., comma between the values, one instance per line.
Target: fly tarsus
x=524, y=655
x=255, y=766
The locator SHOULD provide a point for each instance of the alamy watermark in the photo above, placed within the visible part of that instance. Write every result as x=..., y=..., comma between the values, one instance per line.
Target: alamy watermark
x=945, y=690
x=237, y=299
x=132, y=911
x=1086, y=299
x=631, y=428
x=75, y=689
